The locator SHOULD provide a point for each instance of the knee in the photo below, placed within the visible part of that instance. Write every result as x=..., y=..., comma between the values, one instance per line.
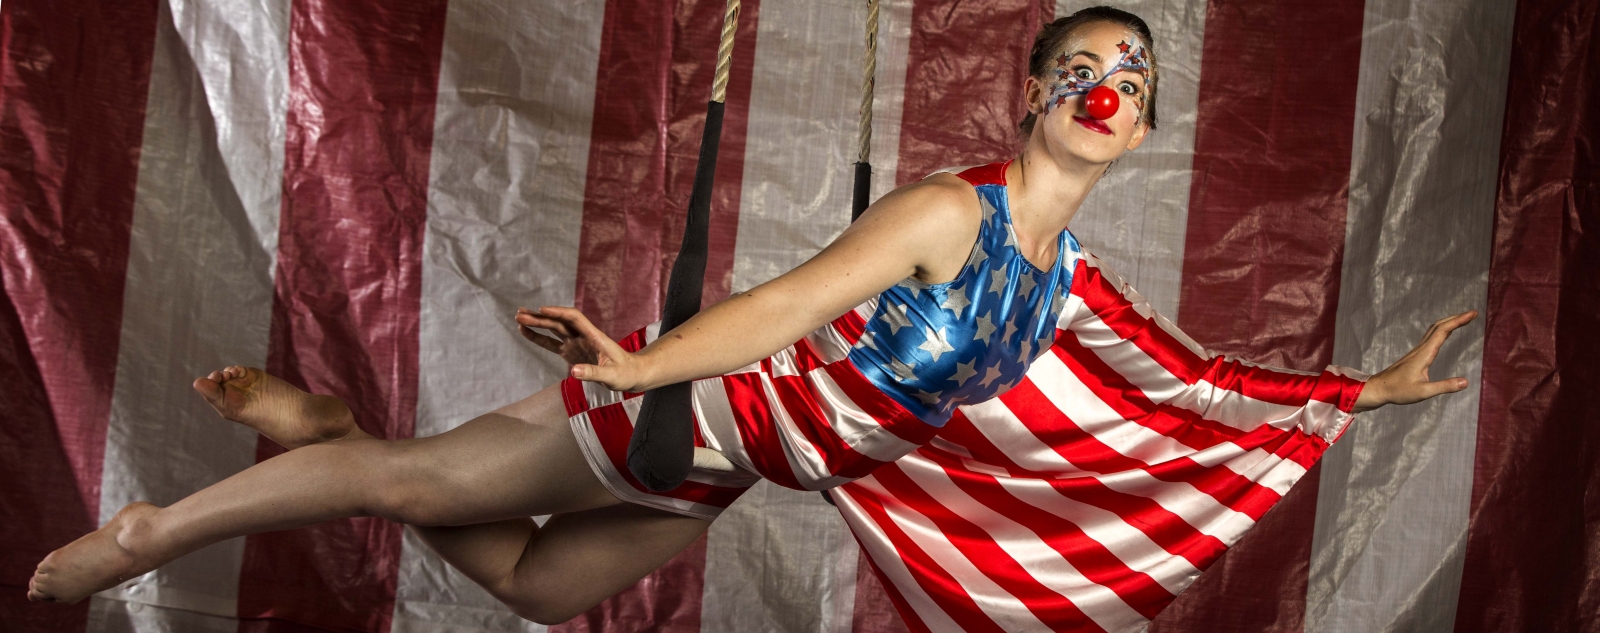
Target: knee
x=541, y=601
x=546, y=613
x=402, y=488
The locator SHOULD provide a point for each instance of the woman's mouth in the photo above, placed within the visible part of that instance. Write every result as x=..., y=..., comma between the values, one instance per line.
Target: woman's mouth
x=1092, y=124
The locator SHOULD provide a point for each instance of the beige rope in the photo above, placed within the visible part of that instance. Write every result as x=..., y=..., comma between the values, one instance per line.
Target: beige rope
x=730, y=25
x=869, y=81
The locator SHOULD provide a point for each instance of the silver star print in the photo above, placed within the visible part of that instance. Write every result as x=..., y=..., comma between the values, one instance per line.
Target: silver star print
x=989, y=376
x=936, y=344
x=868, y=339
x=997, y=281
x=1011, y=328
x=903, y=371
x=928, y=398
x=895, y=315
x=1025, y=284
x=1011, y=236
x=964, y=372
x=985, y=329
x=1059, y=303
x=956, y=301
x=916, y=291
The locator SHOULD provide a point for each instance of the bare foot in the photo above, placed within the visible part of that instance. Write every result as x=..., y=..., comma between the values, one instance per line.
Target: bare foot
x=275, y=408
x=98, y=561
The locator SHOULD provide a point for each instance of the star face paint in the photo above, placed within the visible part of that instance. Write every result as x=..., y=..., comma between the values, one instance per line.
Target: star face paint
x=1069, y=84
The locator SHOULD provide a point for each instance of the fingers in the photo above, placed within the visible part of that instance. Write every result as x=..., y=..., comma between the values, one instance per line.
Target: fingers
x=1439, y=332
x=530, y=318
x=581, y=326
x=549, y=343
x=1441, y=387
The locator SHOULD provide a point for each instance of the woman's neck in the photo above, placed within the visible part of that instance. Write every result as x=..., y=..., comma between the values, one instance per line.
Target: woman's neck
x=1044, y=194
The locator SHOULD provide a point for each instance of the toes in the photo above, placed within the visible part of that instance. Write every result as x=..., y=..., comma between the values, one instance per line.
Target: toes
x=208, y=388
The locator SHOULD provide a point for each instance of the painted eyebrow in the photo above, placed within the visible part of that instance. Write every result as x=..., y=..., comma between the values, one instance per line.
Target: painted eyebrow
x=1087, y=54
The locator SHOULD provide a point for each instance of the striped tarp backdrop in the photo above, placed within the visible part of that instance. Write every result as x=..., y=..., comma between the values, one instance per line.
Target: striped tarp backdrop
x=356, y=195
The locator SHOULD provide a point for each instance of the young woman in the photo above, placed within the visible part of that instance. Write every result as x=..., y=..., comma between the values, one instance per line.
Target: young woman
x=940, y=296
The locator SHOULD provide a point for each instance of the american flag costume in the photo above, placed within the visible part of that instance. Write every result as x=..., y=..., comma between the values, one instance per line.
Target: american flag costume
x=1084, y=497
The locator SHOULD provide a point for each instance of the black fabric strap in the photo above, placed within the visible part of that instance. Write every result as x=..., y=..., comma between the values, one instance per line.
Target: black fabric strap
x=661, y=450
x=863, y=191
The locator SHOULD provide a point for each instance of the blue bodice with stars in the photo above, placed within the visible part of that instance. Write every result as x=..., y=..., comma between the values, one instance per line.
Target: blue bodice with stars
x=933, y=347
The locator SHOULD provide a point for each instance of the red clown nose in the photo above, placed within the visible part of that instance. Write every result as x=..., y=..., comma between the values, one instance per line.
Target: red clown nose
x=1102, y=103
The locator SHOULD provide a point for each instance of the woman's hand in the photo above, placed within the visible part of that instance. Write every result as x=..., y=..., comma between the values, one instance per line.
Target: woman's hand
x=594, y=357
x=1406, y=381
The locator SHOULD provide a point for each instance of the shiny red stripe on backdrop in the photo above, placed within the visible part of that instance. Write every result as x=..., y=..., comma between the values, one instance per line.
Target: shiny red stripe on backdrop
x=73, y=81
x=1533, y=548
x=363, y=81
x=657, y=61
x=1266, y=231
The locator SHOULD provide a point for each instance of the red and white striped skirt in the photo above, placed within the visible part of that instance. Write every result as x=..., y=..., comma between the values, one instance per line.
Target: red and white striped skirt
x=804, y=418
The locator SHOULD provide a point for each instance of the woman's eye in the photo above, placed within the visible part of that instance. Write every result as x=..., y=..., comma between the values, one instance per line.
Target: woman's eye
x=1129, y=89
x=1084, y=73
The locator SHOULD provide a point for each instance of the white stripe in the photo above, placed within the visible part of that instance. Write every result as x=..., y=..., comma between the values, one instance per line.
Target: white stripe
x=805, y=460
x=505, y=204
x=883, y=552
x=858, y=430
x=199, y=279
x=1042, y=562
x=1067, y=393
x=1223, y=406
x=1129, y=544
x=1394, y=497
x=1005, y=609
x=1007, y=432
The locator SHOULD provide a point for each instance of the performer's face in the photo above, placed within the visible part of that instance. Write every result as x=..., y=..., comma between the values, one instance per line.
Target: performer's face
x=1097, y=54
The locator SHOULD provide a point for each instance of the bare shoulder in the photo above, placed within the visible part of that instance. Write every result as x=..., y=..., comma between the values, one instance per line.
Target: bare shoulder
x=934, y=221
x=937, y=204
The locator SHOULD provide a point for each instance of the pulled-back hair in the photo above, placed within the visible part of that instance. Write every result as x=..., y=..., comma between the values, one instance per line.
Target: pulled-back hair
x=1048, y=44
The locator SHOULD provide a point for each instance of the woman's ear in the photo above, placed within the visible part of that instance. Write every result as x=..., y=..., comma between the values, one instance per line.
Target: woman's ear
x=1138, y=134
x=1033, y=93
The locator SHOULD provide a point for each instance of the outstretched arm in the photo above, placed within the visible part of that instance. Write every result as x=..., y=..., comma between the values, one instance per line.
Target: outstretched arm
x=1117, y=325
x=925, y=230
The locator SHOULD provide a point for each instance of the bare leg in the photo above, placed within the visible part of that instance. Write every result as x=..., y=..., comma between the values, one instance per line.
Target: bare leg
x=546, y=575
x=519, y=461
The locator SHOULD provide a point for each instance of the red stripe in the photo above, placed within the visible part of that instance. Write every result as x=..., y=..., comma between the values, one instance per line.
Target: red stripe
x=850, y=325
x=362, y=86
x=656, y=65
x=934, y=580
x=797, y=398
x=878, y=603
x=613, y=428
x=965, y=66
x=990, y=174
x=1531, y=555
x=752, y=414
x=1166, y=529
x=1264, y=245
x=1051, y=425
x=1129, y=401
x=866, y=396
x=1092, y=559
x=975, y=544
x=1292, y=389
x=73, y=81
